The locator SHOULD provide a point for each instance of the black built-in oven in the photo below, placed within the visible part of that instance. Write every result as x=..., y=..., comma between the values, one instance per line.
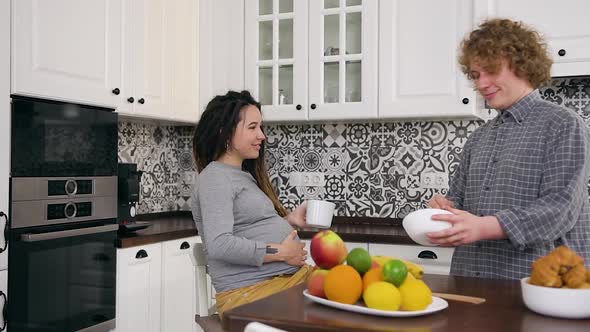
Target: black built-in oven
x=63, y=216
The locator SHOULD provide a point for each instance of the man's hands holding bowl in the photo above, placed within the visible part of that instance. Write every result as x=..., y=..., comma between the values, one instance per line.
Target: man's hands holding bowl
x=466, y=227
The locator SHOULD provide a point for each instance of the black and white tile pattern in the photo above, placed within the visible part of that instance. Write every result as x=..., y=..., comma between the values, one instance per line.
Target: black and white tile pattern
x=164, y=154
x=371, y=169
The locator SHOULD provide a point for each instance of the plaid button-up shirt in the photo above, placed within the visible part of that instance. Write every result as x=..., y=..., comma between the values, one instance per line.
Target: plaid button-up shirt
x=529, y=167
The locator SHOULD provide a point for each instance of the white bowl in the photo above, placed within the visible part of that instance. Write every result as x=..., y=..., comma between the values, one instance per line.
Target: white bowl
x=556, y=302
x=419, y=222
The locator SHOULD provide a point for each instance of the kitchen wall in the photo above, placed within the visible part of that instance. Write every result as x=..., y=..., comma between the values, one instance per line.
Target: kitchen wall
x=371, y=169
x=164, y=155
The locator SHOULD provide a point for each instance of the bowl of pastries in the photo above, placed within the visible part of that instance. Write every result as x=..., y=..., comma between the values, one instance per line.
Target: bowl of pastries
x=559, y=285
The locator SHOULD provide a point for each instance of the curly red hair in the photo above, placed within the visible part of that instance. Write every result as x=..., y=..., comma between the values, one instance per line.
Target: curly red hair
x=498, y=39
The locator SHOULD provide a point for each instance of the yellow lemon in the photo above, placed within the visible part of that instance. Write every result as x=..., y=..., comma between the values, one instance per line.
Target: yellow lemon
x=383, y=296
x=415, y=295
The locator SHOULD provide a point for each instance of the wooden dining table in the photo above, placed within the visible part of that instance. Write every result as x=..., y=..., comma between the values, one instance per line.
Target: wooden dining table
x=502, y=311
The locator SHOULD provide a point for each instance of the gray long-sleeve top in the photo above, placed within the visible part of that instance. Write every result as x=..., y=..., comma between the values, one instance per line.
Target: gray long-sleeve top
x=529, y=167
x=236, y=221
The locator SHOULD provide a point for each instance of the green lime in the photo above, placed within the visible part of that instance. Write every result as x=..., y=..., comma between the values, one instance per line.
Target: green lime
x=359, y=259
x=395, y=272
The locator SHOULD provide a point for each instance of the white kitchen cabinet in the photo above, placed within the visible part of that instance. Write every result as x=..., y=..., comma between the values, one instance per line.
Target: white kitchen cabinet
x=140, y=57
x=312, y=60
x=3, y=298
x=184, y=60
x=435, y=260
x=564, y=25
x=67, y=49
x=161, y=286
x=418, y=72
x=160, y=60
x=221, y=48
x=179, y=285
x=139, y=284
x=147, y=81
x=4, y=125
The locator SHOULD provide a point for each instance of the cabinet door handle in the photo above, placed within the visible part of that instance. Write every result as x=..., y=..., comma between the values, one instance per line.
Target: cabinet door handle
x=184, y=245
x=131, y=100
x=141, y=254
x=116, y=91
x=561, y=52
x=4, y=310
x=427, y=254
x=141, y=100
x=6, y=232
x=313, y=106
x=465, y=101
x=298, y=107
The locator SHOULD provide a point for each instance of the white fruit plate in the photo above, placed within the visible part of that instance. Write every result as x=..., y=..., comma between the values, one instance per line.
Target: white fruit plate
x=437, y=304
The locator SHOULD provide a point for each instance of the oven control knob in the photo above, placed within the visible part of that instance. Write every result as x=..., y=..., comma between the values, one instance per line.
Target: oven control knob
x=132, y=211
x=70, y=210
x=71, y=187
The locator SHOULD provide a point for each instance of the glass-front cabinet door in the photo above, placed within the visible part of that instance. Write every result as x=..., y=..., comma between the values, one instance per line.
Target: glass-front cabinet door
x=343, y=59
x=276, y=57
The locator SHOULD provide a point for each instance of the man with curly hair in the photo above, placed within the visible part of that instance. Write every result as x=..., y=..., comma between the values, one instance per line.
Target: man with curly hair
x=521, y=189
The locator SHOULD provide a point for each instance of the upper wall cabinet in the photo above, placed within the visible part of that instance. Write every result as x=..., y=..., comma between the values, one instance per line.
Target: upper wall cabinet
x=4, y=130
x=418, y=72
x=140, y=57
x=160, y=60
x=67, y=49
x=564, y=24
x=312, y=60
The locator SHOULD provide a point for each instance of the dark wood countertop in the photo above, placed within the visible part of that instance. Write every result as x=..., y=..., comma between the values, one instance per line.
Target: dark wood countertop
x=502, y=311
x=373, y=230
x=176, y=225
x=163, y=228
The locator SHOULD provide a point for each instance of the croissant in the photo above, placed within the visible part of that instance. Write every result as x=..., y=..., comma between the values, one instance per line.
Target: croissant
x=561, y=267
x=575, y=277
x=567, y=258
x=546, y=272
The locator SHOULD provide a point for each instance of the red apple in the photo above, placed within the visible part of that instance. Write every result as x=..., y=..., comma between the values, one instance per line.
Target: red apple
x=327, y=249
x=315, y=283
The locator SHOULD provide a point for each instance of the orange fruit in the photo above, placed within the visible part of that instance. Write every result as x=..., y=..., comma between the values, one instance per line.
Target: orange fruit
x=373, y=275
x=343, y=284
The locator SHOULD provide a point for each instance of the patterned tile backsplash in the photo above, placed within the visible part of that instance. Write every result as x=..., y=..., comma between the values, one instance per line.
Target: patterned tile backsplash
x=164, y=155
x=371, y=169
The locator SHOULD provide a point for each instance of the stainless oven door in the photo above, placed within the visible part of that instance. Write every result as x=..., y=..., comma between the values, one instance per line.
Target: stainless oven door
x=62, y=278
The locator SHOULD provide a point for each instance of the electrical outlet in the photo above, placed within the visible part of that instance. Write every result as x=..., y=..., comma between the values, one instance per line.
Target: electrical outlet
x=307, y=179
x=296, y=179
x=427, y=180
x=434, y=180
x=441, y=180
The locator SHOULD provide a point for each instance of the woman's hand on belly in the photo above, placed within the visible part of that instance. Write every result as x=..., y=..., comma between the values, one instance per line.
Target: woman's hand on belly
x=290, y=251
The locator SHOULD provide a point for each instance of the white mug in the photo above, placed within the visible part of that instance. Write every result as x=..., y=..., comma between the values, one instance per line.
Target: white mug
x=319, y=213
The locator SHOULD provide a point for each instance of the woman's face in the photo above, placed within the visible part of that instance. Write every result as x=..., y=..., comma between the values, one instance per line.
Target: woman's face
x=247, y=140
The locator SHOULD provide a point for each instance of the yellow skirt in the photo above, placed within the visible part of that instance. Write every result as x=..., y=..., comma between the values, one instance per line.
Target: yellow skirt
x=239, y=296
